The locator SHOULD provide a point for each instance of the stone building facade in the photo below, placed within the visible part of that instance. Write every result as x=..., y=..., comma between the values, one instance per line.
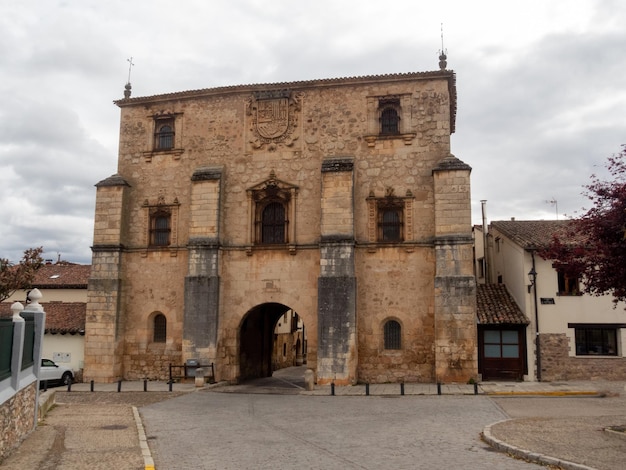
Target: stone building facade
x=338, y=199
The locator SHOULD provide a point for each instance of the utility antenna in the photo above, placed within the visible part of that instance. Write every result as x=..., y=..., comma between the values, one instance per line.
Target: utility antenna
x=554, y=203
x=442, y=53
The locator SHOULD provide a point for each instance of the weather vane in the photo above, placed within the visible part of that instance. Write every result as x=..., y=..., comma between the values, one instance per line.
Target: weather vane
x=130, y=65
x=127, y=88
x=442, y=53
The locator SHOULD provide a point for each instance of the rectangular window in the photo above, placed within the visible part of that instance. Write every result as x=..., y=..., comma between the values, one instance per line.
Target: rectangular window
x=481, y=268
x=596, y=341
x=501, y=344
x=160, y=229
x=164, y=134
x=568, y=285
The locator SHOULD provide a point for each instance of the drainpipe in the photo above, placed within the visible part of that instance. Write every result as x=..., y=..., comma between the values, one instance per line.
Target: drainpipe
x=533, y=273
x=483, y=203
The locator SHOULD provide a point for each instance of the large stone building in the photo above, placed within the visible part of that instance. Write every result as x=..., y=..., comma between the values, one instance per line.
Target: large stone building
x=337, y=199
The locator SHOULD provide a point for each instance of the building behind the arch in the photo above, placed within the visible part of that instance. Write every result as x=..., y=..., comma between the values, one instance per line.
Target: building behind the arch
x=337, y=199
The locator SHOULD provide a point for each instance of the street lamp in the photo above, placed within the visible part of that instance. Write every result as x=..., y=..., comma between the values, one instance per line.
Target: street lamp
x=532, y=276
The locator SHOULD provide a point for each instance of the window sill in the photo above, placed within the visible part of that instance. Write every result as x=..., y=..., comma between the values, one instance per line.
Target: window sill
x=176, y=153
x=278, y=247
x=596, y=356
x=407, y=138
x=173, y=251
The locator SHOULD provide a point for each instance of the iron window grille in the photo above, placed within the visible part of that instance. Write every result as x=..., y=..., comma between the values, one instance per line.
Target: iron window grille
x=160, y=328
x=392, y=335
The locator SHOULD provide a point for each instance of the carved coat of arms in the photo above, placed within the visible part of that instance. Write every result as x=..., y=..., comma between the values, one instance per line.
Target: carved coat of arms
x=274, y=117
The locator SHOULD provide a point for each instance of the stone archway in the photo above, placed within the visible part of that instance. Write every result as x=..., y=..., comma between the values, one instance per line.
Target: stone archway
x=271, y=336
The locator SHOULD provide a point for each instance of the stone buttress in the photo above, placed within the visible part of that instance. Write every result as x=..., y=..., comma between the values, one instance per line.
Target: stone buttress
x=104, y=328
x=455, y=289
x=200, y=323
x=337, y=342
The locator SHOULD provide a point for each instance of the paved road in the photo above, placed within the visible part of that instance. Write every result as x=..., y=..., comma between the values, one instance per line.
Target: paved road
x=567, y=428
x=209, y=430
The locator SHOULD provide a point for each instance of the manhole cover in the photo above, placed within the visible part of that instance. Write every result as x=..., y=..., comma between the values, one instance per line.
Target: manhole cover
x=114, y=427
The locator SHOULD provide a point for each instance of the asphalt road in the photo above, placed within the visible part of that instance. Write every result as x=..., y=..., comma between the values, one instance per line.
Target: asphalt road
x=212, y=430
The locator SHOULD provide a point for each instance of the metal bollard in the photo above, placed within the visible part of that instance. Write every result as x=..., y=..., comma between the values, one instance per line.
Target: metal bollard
x=332, y=388
x=401, y=388
x=69, y=386
x=438, y=388
x=91, y=386
x=145, y=385
x=45, y=385
x=475, y=388
x=170, y=385
x=119, y=386
x=367, y=389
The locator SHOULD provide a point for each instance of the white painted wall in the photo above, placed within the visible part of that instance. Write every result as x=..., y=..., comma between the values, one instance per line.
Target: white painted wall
x=513, y=263
x=62, y=346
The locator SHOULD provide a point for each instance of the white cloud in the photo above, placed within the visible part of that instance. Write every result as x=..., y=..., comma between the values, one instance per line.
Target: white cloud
x=540, y=86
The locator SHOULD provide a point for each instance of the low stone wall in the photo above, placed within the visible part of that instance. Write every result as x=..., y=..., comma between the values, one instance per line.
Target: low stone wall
x=557, y=364
x=17, y=419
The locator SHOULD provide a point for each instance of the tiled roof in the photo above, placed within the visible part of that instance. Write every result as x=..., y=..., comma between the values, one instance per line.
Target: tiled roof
x=61, y=317
x=495, y=306
x=392, y=77
x=531, y=234
x=62, y=276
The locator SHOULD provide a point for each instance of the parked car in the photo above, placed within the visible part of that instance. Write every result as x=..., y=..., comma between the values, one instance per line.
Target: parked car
x=55, y=374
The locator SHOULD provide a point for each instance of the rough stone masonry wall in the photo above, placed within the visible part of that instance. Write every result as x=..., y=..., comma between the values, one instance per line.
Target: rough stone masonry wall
x=17, y=417
x=557, y=364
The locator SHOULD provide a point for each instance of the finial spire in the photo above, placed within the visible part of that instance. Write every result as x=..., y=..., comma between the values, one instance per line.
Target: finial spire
x=127, y=87
x=442, y=53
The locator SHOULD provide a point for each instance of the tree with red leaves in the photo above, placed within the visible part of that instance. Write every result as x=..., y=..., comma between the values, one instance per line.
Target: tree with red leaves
x=19, y=276
x=594, y=246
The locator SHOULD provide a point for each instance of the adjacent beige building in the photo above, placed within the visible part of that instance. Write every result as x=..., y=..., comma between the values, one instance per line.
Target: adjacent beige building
x=337, y=199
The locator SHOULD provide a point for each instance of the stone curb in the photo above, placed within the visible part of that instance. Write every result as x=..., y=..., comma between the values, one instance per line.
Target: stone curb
x=541, y=394
x=534, y=457
x=148, y=461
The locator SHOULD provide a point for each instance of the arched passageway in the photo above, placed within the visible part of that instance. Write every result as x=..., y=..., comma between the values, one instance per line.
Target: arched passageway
x=272, y=336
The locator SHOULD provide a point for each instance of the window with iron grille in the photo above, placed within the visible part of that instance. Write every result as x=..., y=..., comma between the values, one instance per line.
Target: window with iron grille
x=164, y=134
x=272, y=208
x=390, y=224
x=160, y=328
x=273, y=223
x=389, y=121
x=160, y=228
x=392, y=334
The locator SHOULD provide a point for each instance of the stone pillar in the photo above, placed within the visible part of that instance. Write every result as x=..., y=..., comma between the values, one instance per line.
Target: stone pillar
x=337, y=341
x=455, y=286
x=104, y=326
x=201, y=315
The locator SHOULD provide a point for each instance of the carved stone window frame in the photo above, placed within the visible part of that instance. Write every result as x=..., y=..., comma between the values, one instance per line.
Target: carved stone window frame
x=376, y=206
x=175, y=121
x=150, y=211
x=271, y=190
x=376, y=106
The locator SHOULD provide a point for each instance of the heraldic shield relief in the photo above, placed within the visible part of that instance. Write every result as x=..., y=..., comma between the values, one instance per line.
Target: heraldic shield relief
x=274, y=117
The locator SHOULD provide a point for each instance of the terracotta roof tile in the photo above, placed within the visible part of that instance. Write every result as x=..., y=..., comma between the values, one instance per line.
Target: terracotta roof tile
x=495, y=306
x=61, y=317
x=62, y=276
x=531, y=234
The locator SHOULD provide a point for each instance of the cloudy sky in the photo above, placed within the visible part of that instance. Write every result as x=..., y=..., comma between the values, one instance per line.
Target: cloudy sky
x=541, y=89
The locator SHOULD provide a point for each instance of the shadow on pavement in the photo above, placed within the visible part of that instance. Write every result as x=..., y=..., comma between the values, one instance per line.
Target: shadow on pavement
x=287, y=381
